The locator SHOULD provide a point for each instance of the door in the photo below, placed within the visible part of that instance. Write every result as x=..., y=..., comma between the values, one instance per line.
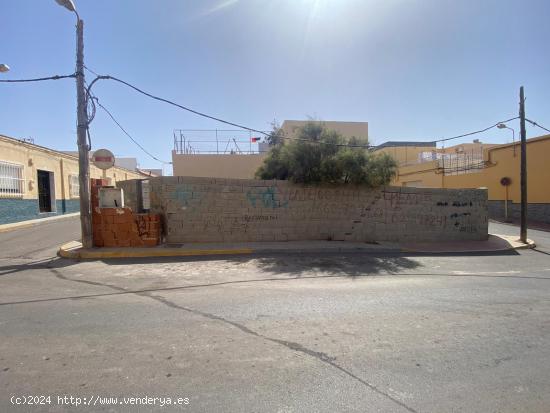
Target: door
x=44, y=191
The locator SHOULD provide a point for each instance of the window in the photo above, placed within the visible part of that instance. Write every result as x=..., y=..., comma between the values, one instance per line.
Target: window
x=11, y=179
x=74, y=186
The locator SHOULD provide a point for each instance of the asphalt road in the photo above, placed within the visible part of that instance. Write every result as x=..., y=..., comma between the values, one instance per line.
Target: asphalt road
x=297, y=333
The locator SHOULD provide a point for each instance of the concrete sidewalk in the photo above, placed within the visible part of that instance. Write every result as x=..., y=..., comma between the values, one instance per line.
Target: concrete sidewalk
x=32, y=222
x=74, y=250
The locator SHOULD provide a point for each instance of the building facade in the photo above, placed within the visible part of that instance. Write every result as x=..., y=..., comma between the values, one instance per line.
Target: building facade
x=477, y=165
x=244, y=164
x=37, y=182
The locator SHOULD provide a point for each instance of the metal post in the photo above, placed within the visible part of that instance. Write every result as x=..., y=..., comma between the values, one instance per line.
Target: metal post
x=82, y=128
x=523, y=219
x=506, y=205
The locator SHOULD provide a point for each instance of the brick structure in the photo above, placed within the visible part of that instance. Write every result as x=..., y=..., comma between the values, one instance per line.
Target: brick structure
x=240, y=210
x=121, y=227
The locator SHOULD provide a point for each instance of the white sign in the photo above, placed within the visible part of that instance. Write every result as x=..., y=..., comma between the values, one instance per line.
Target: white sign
x=103, y=159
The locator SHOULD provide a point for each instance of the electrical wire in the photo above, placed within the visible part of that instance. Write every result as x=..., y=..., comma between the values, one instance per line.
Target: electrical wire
x=39, y=79
x=537, y=125
x=107, y=77
x=90, y=70
x=125, y=132
x=476, y=132
x=267, y=134
x=99, y=77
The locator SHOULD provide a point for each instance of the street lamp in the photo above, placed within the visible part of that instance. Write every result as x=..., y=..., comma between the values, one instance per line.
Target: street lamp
x=68, y=4
x=4, y=68
x=82, y=130
x=503, y=126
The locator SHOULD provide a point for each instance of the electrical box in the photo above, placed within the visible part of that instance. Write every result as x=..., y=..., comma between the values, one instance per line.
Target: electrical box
x=145, y=195
x=111, y=198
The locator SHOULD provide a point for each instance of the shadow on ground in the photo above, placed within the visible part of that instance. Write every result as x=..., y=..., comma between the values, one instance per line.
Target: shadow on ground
x=35, y=265
x=298, y=264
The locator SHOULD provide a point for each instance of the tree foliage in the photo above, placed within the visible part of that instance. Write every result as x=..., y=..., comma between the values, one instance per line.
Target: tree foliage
x=319, y=155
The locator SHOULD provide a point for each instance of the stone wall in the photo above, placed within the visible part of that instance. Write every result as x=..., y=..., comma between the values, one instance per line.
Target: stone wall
x=535, y=212
x=235, y=210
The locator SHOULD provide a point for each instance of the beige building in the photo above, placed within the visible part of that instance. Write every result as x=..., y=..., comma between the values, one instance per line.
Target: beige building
x=346, y=129
x=37, y=182
x=245, y=165
x=238, y=166
x=475, y=165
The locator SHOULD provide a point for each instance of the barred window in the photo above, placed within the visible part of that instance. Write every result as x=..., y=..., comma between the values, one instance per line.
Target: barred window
x=74, y=186
x=11, y=179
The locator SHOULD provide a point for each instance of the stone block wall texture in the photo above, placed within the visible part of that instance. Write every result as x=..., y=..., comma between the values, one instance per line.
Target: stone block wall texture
x=235, y=210
x=535, y=212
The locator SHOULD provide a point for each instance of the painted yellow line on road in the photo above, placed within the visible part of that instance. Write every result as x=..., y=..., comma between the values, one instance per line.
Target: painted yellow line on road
x=139, y=253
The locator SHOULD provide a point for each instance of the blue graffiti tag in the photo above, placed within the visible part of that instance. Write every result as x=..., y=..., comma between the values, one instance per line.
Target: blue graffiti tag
x=267, y=198
x=183, y=194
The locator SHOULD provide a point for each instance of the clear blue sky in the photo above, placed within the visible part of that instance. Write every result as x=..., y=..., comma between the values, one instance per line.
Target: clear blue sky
x=414, y=69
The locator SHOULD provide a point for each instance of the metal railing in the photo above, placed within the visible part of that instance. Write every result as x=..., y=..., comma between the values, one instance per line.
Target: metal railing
x=12, y=181
x=462, y=162
x=217, y=141
x=455, y=163
x=74, y=186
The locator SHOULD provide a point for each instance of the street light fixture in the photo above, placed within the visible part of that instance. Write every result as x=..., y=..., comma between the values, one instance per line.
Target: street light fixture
x=503, y=126
x=68, y=4
x=4, y=68
x=82, y=131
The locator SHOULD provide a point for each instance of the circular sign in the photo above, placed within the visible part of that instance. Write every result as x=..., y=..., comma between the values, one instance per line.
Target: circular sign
x=103, y=159
x=505, y=181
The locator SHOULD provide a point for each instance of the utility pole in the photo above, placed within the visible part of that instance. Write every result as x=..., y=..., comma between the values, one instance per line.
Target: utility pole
x=523, y=177
x=82, y=128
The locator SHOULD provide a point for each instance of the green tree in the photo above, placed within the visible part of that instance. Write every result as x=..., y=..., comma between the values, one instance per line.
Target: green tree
x=319, y=155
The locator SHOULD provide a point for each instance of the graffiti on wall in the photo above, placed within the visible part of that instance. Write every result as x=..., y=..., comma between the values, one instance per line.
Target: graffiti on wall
x=267, y=198
x=394, y=199
x=183, y=194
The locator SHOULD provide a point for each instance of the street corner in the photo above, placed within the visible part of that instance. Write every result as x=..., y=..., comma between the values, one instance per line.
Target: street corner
x=494, y=243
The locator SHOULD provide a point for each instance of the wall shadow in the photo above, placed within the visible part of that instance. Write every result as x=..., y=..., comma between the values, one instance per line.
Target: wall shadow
x=299, y=264
x=351, y=263
x=36, y=265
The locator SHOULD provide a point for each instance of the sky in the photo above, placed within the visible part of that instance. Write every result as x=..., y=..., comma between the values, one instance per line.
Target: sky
x=414, y=69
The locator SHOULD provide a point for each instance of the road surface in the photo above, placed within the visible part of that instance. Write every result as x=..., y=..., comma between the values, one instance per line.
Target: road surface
x=298, y=333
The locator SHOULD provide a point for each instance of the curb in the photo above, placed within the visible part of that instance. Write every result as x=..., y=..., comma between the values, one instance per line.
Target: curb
x=33, y=222
x=73, y=250
x=530, y=244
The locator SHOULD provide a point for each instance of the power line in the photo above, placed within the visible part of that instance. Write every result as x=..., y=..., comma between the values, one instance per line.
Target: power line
x=476, y=132
x=285, y=137
x=178, y=105
x=90, y=70
x=536, y=124
x=125, y=132
x=38, y=79
x=216, y=118
x=196, y=112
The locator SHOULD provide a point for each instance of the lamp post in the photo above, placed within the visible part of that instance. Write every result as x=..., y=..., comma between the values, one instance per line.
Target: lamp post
x=82, y=129
x=4, y=68
x=503, y=126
